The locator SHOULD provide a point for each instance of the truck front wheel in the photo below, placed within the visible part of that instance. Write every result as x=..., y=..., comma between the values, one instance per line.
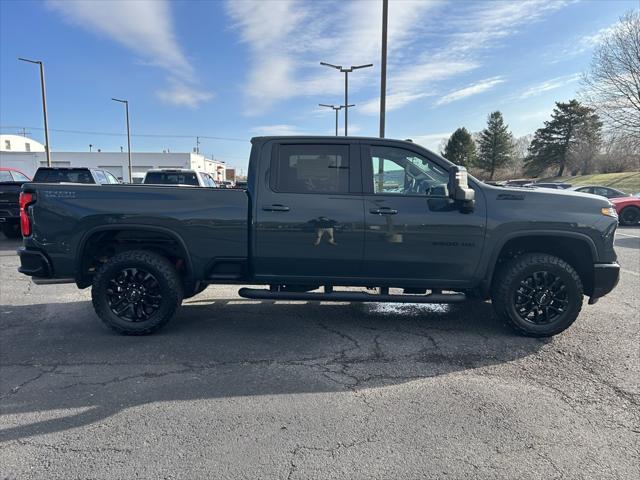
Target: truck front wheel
x=136, y=292
x=538, y=294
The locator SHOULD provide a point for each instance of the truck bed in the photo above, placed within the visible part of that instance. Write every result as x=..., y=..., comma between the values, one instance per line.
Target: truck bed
x=211, y=224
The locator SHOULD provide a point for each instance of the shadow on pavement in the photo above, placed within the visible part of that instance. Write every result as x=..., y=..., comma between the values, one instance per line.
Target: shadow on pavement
x=60, y=356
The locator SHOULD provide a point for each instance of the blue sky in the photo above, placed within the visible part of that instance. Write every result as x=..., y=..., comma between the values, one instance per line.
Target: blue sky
x=237, y=69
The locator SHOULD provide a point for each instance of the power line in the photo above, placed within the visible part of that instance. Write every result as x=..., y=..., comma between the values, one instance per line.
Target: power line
x=115, y=134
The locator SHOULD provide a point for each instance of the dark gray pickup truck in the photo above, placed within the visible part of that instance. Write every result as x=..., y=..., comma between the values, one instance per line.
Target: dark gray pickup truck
x=318, y=214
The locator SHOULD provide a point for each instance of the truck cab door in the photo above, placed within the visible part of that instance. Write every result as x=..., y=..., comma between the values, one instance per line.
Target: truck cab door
x=413, y=230
x=308, y=212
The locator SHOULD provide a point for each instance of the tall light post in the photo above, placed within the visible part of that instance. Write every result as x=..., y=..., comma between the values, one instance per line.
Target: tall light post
x=126, y=106
x=337, y=108
x=346, y=72
x=383, y=66
x=47, y=148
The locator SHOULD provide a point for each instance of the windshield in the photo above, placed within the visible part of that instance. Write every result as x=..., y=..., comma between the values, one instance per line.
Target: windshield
x=172, y=178
x=67, y=175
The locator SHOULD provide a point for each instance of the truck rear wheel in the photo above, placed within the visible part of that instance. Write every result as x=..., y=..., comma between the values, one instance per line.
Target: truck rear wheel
x=136, y=292
x=538, y=294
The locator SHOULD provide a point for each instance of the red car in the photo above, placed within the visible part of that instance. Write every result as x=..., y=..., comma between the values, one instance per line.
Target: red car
x=628, y=209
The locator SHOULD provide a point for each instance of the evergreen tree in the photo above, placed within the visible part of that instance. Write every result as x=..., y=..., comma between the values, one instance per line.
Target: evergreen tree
x=460, y=148
x=495, y=145
x=572, y=127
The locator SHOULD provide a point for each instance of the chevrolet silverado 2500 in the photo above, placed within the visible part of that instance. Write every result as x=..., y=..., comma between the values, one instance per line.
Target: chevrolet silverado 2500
x=318, y=214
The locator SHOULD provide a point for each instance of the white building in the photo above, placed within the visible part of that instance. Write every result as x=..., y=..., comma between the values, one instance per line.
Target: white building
x=18, y=143
x=114, y=162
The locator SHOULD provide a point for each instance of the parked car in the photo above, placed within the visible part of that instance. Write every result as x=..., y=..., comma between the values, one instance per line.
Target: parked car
x=11, y=181
x=74, y=175
x=226, y=184
x=606, y=192
x=628, y=209
x=317, y=212
x=179, y=177
x=242, y=184
x=556, y=185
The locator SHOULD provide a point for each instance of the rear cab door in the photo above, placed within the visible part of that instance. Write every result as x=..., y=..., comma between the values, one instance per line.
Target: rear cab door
x=308, y=214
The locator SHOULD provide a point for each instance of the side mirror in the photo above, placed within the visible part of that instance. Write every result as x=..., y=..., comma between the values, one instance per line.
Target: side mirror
x=459, y=190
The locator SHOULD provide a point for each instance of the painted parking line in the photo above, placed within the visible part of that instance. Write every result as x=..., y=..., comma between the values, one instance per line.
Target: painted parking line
x=630, y=272
x=627, y=235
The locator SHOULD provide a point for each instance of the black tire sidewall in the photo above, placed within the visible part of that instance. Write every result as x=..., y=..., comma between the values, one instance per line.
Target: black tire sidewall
x=522, y=271
x=160, y=268
x=626, y=210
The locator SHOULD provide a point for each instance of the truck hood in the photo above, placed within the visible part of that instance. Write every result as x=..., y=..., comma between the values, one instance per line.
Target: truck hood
x=553, y=195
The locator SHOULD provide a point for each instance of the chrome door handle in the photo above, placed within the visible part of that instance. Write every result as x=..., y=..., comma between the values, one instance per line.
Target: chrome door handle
x=383, y=211
x=275, y=208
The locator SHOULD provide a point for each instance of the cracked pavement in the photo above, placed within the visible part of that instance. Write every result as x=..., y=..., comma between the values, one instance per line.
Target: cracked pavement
x=235, y=389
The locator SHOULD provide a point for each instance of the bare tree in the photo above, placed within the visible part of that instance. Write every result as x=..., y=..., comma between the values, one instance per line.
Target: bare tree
x=612, y=85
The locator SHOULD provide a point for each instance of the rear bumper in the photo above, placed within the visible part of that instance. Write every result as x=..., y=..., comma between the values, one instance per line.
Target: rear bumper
x=34, y=263
x=605, y=278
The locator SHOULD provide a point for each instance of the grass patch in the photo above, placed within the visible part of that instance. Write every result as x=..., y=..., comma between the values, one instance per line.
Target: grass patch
x=628, y=182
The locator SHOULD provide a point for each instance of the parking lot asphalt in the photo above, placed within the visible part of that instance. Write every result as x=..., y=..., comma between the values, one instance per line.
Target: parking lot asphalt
x=235, y=389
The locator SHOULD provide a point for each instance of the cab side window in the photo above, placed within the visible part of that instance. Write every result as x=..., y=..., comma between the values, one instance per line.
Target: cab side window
x=310, y=169
x=100, y=177
x=397, y=171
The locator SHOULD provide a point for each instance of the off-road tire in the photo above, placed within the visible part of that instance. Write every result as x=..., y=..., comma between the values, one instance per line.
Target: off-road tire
x=629, y=216
x=168, y=284
x=513, y=273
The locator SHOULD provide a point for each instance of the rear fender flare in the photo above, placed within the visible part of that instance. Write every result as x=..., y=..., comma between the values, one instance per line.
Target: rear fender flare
x=130, y=226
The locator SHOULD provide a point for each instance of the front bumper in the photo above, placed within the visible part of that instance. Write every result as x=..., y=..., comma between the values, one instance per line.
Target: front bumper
x=605, y=278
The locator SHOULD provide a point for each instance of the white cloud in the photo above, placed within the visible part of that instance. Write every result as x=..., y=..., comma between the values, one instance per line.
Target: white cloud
x=279, y=129
x=428, y=45
x=144, y=27
x=474, y=89
x=551, y=84
x=288, y=38
x=182, y=94
x=432, y=141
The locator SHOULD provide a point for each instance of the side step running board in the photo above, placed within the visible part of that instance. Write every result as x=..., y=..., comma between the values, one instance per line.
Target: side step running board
x=262, y=294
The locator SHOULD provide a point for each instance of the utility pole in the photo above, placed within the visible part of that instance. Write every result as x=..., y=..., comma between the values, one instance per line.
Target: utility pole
x=346, y=72
x=198, y=145
x=126, y=106
x=337, y=108
x=383, y=66
x=47, y=147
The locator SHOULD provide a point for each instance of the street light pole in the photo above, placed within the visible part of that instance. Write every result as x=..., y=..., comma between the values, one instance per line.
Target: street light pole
x=336, y=108
x=126, y=106
x=383, y=66
x=346, y=72
x=47, y=148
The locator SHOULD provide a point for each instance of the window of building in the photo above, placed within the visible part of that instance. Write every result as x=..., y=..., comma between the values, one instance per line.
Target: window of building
x=27, y=147
x=311, y=169
x=397, y=171
x=7, y=144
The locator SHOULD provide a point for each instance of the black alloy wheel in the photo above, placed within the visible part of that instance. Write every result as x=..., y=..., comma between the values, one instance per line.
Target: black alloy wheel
x=541, y=298
x=134, y=294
